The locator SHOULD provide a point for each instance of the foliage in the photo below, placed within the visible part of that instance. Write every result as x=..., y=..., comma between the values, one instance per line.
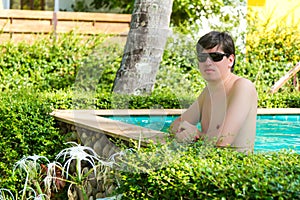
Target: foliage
x=279, y=100
x=125, y=6
x=166, y=100
x=104, y=100
x=272, y=50
x=26, y=129
x=198, y=171
x=178, y=72
x=75, y=72
x=89, y=73
x=71, y=171
x=178, y=78
x=184, y=13
x=80, y=6
x=46, y=64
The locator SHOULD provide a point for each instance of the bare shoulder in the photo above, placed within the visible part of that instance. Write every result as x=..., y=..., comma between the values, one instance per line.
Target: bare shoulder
x=244, y=89
x=243, y=84
x=202, y=96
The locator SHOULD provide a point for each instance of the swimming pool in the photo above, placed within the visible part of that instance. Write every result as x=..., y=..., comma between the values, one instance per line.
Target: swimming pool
x=273, y=132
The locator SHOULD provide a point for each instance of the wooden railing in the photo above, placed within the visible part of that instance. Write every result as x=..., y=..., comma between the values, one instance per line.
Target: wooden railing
x=19, y=23
x=292, y=73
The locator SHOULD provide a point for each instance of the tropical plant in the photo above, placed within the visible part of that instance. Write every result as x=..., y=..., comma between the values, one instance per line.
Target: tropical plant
x=201, y=171
x=79, y=166
x=33, y=176
x=6, y=194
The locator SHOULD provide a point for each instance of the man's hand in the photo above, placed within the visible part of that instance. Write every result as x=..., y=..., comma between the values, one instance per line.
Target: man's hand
x=187, y=132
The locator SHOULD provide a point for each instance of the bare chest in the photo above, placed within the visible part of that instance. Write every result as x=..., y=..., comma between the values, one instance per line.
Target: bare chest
x=213, y=113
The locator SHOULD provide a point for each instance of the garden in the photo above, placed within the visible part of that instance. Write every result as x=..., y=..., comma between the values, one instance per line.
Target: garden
x=38, y=162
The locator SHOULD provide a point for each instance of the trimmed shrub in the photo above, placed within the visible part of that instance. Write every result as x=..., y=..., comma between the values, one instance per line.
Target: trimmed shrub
x=198, y=171
x=66, y=99
x=46, y=64
x=26, y=129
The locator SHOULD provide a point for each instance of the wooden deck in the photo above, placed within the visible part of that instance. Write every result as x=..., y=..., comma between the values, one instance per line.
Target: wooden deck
x=16, y=24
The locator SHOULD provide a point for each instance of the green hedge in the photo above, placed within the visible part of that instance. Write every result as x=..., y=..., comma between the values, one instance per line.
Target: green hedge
x=202, y=172
x=26, y=128
x=168, y=100
x=46, y=64
x=69, y=100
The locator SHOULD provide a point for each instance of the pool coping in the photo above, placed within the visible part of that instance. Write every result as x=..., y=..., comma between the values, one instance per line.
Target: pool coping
x=104, y=112
x=92, y=120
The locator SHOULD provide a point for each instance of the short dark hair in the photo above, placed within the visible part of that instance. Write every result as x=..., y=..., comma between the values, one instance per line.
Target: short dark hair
x=216, y=38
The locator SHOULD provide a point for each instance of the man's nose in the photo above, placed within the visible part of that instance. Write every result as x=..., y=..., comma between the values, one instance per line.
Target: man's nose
x=209, y=60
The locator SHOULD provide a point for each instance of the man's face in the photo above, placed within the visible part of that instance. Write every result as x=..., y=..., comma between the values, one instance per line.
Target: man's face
x=215, y=70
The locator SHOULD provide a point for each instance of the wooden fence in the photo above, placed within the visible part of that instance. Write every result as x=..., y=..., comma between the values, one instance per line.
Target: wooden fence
x=24, y=24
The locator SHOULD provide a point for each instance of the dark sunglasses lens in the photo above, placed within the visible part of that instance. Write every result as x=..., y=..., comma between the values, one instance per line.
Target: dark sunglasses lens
x=202, y=57
x=216, y=56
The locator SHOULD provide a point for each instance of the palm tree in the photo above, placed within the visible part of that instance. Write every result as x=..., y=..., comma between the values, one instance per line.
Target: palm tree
x=144, y=47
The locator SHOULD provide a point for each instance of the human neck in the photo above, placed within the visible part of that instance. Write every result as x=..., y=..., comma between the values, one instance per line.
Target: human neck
x=215, y=86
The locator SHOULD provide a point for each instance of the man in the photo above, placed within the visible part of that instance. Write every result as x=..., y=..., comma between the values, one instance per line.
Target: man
x=227, y=107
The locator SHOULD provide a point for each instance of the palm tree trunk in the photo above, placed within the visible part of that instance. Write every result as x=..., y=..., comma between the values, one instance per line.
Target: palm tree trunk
x=149, y=29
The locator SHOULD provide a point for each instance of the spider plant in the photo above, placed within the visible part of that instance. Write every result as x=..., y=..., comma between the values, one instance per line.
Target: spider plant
x=79, y=154
x=3, y=195
x=44, y=177
x=33, y=171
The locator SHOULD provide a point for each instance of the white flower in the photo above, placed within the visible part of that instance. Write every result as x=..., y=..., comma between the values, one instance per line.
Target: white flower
x=32, y=168
x=80, y=153
x=52, y=179
x=3, y=196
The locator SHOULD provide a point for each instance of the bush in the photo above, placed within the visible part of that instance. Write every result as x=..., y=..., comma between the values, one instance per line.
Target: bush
x=46, y=64
x=279, y=100
x=26, y=129
x=272, y=50
x=203, y=172
x=68, y=99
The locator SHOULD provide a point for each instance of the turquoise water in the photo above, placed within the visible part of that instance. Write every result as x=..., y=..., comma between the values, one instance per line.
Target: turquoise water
x=273, y=132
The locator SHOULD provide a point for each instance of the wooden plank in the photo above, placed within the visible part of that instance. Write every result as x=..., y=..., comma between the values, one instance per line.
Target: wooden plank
x=65, y=16
x=91, y=28
x=97, y=17
x=26, y=14
x=113, y=28
x=285, y=78
x=4, y=22
x=41, y=22
x=66, y=26
x=28, y=38
x=28, y=26
x=4, y=37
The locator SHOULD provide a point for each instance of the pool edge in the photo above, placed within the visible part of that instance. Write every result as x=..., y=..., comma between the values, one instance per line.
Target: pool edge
x=260, y=111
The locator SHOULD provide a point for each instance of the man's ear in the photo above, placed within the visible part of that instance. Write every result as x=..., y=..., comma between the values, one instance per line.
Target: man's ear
x=231, y=59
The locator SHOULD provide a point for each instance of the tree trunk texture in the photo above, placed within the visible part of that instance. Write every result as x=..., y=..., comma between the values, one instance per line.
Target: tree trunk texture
x=149, y=30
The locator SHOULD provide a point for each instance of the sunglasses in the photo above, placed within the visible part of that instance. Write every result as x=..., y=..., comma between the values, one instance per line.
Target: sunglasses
x=215, y=56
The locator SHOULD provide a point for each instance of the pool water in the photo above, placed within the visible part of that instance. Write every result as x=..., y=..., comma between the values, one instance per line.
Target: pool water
x=273, y=132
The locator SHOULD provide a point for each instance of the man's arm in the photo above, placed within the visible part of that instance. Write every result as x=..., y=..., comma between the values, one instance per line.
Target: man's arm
x=242, y=100
x=184, y=127
x=192, y=115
